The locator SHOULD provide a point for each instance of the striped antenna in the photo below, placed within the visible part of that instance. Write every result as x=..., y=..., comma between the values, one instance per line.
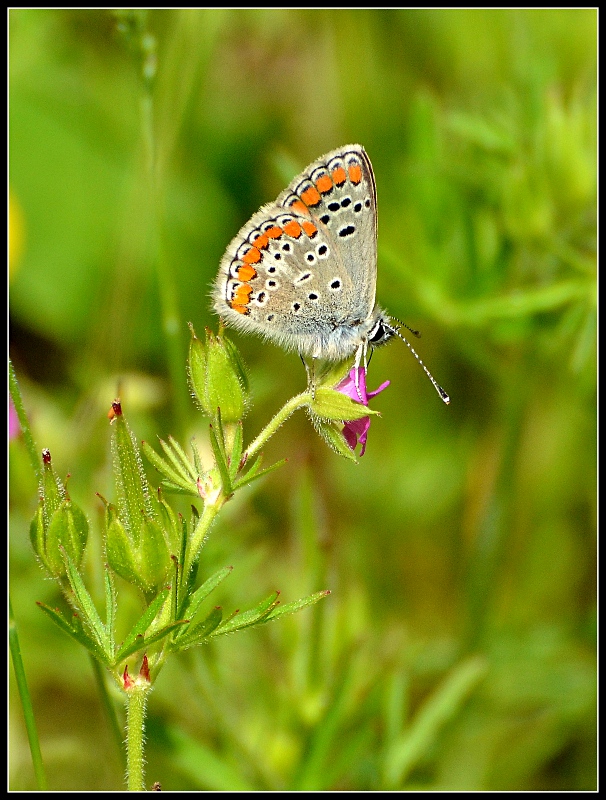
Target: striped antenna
x=436, y=385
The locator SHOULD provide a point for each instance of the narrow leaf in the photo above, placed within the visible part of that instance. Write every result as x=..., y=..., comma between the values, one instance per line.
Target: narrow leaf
x=248, y=478
x=248, y=618
x=131, y=482
x=198, y=633
x=175, y=488
x=197, y=598
x=163, y=467
x=220, y=462
x=236, y=451
x=296, y=605
x=174, y=456
x=197, y=459
x=145, y=620
x=187, y=465
x=110, y=607
x=143, y=643
x=87, y=607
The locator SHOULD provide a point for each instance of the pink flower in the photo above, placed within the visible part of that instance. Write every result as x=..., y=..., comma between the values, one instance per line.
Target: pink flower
x=356, y=430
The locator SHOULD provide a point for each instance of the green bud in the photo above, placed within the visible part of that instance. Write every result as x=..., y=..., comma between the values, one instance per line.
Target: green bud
x=59, y=526
x=37, y=533
x=144, y=563
x=52, y=491
x=217, y=376
x=67, y=532
x=136, y=544
x=134, y=497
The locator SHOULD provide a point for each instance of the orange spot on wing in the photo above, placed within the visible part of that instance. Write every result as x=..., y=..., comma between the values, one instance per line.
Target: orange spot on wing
x=239, y=309
x=300, y=207
x=339, y=176
x=241, y=297
x=324, y=184
x=311, y=196
x=355, y=173
x=293, y=229
x=246, y=272
x=274, y=233
x=261, y=242
x=309, y=228
x=252, y=256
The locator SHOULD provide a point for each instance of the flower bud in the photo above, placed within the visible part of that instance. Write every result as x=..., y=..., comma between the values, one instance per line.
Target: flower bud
x=144, y=562
x=217, y=377
x=59, y=526
x=136, y=544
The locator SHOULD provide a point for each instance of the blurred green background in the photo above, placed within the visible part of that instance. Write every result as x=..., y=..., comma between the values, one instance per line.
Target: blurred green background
x=457, y=649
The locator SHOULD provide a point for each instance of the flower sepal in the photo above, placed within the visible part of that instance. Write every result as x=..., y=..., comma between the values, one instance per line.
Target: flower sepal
x=331, y=404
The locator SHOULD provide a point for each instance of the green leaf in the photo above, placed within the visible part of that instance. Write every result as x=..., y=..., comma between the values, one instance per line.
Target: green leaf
x=253, y=473
x=174, y=488
x=199, y=633
x=176, y=454
x=333, y=405
x=236, y=451
x=171, y=524
x=197, y=461
x=110, y=606
x=199, y=596
x=138, y=630
x=144, y=643
x=296, y=605
x=248, y=618
x=164, y=468
x=218, y=453
x=87, y=608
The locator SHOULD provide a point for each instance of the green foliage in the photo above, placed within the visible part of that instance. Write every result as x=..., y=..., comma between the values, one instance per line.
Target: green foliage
x=457, y=649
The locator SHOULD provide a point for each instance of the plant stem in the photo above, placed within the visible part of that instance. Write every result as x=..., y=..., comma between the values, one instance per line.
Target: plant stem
x=298, y=401
x=26, y=702
x=135, y=727
x=199, y=535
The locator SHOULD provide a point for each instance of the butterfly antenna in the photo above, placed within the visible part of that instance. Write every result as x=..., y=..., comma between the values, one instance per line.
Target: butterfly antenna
x=436, y=385
x=404, y=325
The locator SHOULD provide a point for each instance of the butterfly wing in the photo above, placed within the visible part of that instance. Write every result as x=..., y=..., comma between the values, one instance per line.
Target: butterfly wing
x=302, y=271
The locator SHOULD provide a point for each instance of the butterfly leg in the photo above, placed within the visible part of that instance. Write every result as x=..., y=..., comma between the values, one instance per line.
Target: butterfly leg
x=311, y=376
